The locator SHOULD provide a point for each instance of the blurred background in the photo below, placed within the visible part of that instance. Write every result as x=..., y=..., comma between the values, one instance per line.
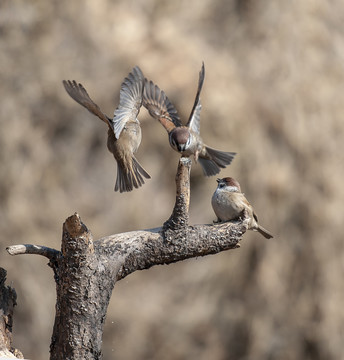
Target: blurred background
x=273, y=93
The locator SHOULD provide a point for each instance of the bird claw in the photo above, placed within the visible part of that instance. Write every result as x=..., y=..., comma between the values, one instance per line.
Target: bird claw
x=218, y=221
x=244, y=215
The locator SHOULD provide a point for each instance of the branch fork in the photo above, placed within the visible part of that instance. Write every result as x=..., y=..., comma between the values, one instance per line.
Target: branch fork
x=86, y=270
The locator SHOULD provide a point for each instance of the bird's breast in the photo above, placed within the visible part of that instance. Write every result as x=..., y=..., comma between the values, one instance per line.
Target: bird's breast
x=128, y=141
x=227, y=205
x=131, y=135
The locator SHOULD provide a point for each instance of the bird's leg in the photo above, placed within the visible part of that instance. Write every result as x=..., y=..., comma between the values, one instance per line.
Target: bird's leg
x=243, y=215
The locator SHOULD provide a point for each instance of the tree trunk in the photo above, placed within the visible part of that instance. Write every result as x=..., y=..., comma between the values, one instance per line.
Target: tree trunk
x=8, y=299
x=86, y=270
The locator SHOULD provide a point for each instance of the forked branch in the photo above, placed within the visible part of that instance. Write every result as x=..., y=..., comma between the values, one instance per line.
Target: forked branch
x=86, y=270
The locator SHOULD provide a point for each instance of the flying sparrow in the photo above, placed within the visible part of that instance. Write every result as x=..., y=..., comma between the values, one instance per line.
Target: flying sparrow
x=230, y=203
x=185, y=139
x=124, y=131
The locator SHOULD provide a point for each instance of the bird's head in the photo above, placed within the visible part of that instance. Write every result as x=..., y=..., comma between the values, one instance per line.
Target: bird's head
x=229, y=184
x=180, y=139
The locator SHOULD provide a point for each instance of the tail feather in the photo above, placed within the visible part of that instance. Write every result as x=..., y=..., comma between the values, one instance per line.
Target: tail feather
x=264, y=232
x=140, y=169
x=221, y=158
x=215, y=160
x=130, y=178
x=123, y=182
x=209, y=167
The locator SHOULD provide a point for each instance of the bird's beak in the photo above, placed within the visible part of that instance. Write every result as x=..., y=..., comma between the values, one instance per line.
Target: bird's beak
x=181, y=147
x=218, y=180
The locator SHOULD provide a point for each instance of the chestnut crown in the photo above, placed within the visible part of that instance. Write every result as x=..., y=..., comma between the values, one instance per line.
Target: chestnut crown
x=229, y=181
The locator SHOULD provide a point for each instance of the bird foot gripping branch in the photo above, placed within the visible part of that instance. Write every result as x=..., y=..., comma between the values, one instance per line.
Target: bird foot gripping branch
x=85, y=271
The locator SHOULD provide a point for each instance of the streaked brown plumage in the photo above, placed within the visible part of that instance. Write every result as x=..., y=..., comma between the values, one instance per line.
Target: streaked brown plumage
x=229, y=203
x=124, y=131
x=185, y=139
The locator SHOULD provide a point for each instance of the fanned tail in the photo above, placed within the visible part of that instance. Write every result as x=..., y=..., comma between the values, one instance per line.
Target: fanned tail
x=129, y=178
x=215, y=160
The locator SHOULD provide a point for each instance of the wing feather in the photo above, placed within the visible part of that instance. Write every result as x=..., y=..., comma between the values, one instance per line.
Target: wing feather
x=130, y=100
x=195, y=116
x=159, y=106
x=78, y=93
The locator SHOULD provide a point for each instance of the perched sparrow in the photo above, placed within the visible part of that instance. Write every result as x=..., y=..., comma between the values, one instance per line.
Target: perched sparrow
x=229, y=203
x=124, y=132
x=185, y=139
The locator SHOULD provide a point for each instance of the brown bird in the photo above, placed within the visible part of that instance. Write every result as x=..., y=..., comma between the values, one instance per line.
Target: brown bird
x=230, y=203
x=124, y=131
x=185, y=139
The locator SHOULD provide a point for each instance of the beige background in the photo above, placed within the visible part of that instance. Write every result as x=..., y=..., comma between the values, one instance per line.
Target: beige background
x=273, y=92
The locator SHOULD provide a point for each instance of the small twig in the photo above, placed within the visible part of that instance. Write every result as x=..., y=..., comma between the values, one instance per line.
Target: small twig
x=33, y=249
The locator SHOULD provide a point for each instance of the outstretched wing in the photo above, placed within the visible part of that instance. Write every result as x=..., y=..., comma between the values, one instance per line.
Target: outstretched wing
x=159, y=106
x=195, y=116
x=130, y=100
x=79, y=94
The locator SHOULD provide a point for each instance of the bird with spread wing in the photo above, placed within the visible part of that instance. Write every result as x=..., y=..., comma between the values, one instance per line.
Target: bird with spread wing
x=185, y=139
x=124, y=131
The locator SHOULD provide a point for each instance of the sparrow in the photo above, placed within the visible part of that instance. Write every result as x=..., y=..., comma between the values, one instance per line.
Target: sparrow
x=230, y=203
x=124, y=131
x=185, y=139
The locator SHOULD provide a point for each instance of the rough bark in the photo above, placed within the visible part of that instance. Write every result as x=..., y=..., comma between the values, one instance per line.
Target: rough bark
x=8, y=299
x=86, y=270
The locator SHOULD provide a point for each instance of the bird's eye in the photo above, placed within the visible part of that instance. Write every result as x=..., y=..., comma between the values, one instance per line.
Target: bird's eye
x=221, y=185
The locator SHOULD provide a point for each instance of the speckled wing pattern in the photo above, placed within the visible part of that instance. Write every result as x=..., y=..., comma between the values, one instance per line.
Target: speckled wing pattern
x=79, y=94
x=195, y=116
x=159, y=106
x=130, y=100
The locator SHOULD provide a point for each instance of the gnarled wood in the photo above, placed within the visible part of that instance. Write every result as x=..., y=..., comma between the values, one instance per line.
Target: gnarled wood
x=86, y=270
x=8, y=299
x=179, y=218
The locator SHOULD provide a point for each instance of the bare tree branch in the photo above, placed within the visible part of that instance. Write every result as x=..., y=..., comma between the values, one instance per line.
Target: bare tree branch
x=180, y=215
x=140, y=250
x=33, y=249
x=86, y=270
